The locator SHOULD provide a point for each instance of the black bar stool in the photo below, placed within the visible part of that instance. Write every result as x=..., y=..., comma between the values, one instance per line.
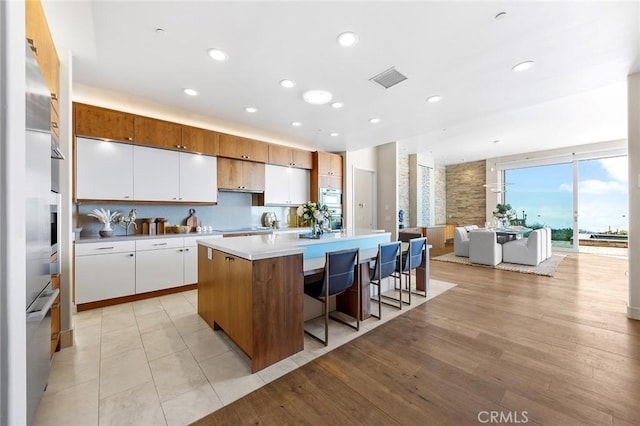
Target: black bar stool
x=339, y=273
x=384, y=266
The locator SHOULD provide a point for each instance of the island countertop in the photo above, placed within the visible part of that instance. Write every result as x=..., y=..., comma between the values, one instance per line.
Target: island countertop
x=258, y=247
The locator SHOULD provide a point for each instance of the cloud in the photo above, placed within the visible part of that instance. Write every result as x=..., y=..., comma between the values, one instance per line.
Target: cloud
x=617, y=168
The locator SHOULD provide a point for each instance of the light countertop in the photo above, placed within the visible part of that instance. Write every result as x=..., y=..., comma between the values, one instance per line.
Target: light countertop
x=258, y=247
x=214, y=234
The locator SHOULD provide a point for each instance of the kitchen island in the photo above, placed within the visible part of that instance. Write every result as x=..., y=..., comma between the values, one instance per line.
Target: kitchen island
x=252, y=288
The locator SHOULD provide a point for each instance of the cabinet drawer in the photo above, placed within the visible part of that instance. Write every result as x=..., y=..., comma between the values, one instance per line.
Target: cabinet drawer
x=159, y=243
x=106, y=247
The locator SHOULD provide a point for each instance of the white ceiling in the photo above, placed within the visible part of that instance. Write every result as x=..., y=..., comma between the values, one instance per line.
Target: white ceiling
x=575, y=93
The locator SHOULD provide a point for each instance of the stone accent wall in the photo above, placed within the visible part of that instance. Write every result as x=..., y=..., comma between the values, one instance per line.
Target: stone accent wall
x=424, y=188
x=465, y=195
x=440, y=178
x=403, y=187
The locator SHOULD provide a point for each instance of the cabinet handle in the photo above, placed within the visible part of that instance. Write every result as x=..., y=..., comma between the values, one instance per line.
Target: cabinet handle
x=184, y=147
x=180, y=198
x=54, y=124
x=127, y=196
x=178, y=146
x=180, y=250
x=186, y=249
x=130, y=254
x=54, y=97
x=128, y=138
x=160, y=244
x=105, y=248
x=229, y=259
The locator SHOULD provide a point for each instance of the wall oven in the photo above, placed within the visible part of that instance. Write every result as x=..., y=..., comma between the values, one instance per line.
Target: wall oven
x=331, y=197
x=335, y=219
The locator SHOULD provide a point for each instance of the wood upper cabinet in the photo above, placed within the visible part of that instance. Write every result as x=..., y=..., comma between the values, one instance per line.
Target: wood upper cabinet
x=326, y=173
x=328, y=164
x=158, y=133
x=232, y=146
x=285, y=156
x=200, y=140
x=41, y=43
x=238, y=175
x=103, y=123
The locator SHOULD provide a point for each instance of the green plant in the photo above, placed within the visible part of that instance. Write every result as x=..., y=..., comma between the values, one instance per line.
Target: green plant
x=504, y=211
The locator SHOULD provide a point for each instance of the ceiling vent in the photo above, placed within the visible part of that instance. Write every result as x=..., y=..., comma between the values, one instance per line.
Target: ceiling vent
x=388, y=78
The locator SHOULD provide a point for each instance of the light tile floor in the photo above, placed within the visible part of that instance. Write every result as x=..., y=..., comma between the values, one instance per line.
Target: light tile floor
x=156, y=362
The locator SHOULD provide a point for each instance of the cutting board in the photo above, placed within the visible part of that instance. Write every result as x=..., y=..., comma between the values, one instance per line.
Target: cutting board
x=193, y=222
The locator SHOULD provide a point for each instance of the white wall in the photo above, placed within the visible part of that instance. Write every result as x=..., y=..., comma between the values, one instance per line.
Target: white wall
x=65, y=247
x=633, y=304
x=12, y=205
x=388, y=188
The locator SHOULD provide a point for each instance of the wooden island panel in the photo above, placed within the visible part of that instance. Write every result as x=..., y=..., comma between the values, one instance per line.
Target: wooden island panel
x=258, y=304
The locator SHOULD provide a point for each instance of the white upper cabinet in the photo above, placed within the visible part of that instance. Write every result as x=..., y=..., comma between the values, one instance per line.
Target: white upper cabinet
x=299, y=186
x=156, y=174
x=198, y=178
x=161, y=175
x=104, y=170
x=286, y=185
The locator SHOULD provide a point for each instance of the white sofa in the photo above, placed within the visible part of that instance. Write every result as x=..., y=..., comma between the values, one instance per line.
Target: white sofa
x=526, y=251
x=461, y=240
x=484, y=247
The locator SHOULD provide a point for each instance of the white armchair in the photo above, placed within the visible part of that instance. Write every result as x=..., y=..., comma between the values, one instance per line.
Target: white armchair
x=527, y=251
x=484, y=248
x=461, y=240
x=548, y=243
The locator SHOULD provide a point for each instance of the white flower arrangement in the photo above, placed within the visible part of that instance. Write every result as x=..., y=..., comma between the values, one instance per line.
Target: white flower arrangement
x=104, y=216
x=314, y=212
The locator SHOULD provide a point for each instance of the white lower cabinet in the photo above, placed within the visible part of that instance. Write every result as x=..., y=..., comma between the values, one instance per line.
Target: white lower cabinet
x=124, y=268
x=159, y=264
x=104, y=271
x=190, y=260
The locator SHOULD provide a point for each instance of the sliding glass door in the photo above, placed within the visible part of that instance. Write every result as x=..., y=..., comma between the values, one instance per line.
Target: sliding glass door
x=543, y=196
x=603, y=192
x=583, y=201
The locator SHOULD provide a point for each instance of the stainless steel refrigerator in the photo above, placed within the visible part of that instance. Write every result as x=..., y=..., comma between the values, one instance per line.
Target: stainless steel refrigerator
x=40, y=297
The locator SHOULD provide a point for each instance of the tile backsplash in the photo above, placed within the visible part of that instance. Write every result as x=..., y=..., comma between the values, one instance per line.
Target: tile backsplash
x=234, y=210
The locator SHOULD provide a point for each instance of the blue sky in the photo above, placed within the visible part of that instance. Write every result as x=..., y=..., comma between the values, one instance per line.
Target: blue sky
x=545, y=194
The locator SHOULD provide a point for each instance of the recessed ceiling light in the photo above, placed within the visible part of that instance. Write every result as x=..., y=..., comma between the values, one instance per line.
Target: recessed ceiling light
x=160, y=31
x=217, y=54
x=433, y=99
x=347, y=39
x=287, y=83
x=374, y=120
x=337, y=105
x=296, y=123
x=500, y=16
x=190, y=92
x=317, y=97
x=334, y=134
x=523, y=66
x=251, y=109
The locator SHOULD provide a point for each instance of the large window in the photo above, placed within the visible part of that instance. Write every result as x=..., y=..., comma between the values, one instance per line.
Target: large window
x=543, y=196
x=584, y=199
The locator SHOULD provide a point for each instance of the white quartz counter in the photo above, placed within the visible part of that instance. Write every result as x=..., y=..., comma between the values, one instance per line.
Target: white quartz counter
x=214, y=234
x=285, y=244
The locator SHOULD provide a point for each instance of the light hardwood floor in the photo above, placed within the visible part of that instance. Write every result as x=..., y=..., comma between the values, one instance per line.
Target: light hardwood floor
x=549, y=350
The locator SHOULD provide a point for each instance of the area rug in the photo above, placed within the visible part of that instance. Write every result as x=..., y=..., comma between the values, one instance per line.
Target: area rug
x=546, y=268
